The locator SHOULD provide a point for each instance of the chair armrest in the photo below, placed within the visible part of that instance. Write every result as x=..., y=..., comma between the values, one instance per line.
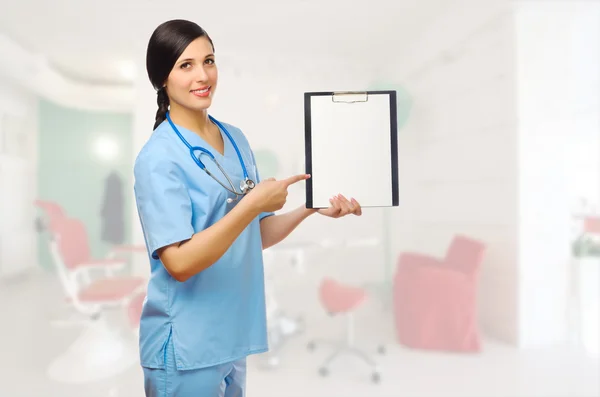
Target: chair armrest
x=129, y=248
x=120, y=251
x=100, y=264
x=125, y=249
x=84, y=270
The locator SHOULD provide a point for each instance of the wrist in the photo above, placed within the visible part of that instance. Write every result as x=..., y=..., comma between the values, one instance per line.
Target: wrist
x=308, y=211
x=251, y=206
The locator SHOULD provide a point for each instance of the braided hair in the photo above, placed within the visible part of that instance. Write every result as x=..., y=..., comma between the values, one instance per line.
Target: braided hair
x=162, y=99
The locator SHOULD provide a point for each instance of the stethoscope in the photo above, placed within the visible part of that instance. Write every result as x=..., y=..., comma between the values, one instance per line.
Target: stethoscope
x=246, y=184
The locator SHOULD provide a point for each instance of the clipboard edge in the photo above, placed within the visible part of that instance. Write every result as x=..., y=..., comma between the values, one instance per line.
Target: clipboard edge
x=394, y=148
x=309, y=94
x=308, y=150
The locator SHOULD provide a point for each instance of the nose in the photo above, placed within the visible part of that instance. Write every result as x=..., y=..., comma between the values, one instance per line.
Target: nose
x=201, y=74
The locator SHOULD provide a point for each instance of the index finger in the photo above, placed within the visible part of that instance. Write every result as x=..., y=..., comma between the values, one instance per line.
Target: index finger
x=296, y=178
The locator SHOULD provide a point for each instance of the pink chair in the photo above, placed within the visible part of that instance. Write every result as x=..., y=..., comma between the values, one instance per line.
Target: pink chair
x=93, y=287
x=338, y=298
x=89, y=293
x=71, y=254
x=54, y=213
x=591, y=224
x=435, y=300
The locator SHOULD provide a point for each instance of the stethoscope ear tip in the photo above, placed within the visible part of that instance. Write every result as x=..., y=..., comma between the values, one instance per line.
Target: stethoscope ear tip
x=229, y=200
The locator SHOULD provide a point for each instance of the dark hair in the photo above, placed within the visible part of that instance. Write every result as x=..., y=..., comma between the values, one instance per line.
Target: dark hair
x=167, y=43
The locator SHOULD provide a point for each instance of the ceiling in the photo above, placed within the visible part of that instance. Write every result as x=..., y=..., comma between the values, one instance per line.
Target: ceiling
x=99, y=42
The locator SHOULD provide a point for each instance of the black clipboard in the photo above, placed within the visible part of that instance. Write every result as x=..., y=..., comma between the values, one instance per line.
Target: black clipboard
x=351, y=147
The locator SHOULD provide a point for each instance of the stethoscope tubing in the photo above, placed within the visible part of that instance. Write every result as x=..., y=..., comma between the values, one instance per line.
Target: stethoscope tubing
x=248, y=183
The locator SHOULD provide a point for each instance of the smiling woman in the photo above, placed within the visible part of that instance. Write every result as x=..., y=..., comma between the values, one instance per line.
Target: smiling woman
x=205, y=307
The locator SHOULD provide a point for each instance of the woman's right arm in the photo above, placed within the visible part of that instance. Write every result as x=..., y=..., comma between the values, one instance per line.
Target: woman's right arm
x=165, y=210
x=188, y=258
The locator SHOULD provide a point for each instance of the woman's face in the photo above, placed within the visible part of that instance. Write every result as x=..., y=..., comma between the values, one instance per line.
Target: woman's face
x=193, y=79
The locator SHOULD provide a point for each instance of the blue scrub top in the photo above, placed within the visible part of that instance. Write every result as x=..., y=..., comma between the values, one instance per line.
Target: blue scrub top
x=218, y=315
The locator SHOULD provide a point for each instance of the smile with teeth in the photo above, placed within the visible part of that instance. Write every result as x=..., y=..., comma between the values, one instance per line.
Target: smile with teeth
x=202, y=92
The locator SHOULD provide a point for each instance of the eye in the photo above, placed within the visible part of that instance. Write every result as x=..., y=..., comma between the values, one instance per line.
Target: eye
x=210, y=61
x=185, y=65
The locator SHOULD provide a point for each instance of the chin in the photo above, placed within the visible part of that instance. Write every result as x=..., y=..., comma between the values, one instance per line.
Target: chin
x=200, y=106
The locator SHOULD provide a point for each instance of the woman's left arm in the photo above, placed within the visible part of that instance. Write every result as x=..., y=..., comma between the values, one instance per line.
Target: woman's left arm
x=276, y=228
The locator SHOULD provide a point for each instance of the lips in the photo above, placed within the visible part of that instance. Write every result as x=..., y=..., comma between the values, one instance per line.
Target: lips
x=201, y=92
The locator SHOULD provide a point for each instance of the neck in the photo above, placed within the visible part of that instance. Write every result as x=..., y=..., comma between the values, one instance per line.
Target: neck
x=195, y=121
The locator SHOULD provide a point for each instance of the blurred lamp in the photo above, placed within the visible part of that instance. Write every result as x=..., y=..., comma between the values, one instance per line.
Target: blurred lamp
x=106, y=148
x=127, y=70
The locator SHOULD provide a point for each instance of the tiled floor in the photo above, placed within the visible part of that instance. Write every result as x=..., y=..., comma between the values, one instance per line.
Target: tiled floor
x=30, y=344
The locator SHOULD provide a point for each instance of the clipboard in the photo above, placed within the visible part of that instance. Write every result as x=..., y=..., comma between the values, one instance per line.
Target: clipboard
x=351, y=147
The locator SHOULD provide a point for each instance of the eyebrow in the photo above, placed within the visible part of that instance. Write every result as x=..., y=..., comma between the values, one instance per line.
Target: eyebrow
x=191, y=59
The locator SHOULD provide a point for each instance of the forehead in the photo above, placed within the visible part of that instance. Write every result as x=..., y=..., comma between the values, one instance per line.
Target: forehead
x=198, y=48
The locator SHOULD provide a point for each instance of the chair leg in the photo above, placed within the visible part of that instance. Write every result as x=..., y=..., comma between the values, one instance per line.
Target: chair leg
x=346, y=347
x=332, y=356
x=366, y=358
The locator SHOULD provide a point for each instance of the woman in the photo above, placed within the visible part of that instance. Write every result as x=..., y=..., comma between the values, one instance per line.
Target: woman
x=205, y=307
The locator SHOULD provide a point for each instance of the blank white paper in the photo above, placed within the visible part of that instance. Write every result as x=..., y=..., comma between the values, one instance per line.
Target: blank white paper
x=351, y=150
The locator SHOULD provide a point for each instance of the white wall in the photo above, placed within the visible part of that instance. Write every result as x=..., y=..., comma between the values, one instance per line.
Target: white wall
x=558, y=63
x=458, y=151
x=503, y=137
x=18, y=179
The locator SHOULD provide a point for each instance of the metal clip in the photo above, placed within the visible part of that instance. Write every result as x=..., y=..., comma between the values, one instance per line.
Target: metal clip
x=350, y=97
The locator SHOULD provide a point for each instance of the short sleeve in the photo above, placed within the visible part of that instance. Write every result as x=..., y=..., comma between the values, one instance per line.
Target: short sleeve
x=163, y=202
x=262, y=215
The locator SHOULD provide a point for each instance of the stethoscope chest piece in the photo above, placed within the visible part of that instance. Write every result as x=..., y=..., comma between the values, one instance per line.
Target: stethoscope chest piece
x=246, y=185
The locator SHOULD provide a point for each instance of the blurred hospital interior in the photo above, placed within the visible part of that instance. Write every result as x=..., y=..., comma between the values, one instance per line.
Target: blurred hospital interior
x=483, y=282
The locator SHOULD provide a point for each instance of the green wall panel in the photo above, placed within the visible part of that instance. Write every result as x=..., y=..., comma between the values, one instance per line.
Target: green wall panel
x=72, y=170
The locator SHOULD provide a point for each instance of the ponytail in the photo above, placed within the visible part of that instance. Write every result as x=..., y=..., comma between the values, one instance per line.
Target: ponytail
x=162, y=99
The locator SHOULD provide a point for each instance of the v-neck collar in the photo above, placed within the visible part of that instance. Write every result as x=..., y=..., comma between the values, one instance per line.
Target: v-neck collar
x=196, y=140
